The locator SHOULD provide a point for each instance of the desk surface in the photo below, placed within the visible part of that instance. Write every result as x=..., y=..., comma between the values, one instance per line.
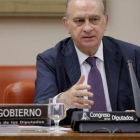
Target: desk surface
x=72, y=136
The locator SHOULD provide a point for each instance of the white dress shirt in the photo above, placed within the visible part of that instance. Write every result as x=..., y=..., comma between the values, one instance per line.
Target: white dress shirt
x=85, y=68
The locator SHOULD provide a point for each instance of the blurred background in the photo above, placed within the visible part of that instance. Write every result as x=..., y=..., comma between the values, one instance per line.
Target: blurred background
x=26, y=32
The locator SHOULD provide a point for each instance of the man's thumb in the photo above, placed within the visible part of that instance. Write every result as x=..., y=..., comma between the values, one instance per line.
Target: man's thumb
x=81, y=80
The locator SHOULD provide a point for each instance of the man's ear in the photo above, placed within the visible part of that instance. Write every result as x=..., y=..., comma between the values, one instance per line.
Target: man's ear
x=65, y=23
x=106, y=20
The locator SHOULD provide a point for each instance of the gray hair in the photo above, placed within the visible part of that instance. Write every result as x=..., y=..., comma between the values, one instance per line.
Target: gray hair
x=66, y=12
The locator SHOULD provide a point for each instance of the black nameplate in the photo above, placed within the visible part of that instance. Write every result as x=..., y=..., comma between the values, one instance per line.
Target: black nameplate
x=111, y=122
x=24, y=114
x=107, y=116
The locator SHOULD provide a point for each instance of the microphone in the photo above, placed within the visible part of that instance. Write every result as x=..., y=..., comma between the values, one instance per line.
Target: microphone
x=135, y=88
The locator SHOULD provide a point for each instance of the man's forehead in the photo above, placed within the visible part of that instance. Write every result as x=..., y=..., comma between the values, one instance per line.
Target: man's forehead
x=83, y=3
x=85, y=8
x=70, y=1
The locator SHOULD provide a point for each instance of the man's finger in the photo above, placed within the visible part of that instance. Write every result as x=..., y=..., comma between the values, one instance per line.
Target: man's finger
x=83, y=101
x=81, y=106
x=130, y=111
x=82, y=87
x=82, y=93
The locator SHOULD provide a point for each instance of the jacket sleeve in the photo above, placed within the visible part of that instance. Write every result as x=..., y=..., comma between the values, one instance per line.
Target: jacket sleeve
x=45, y=85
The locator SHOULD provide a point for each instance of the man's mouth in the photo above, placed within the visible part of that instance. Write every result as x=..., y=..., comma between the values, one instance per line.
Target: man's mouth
x=88, y=37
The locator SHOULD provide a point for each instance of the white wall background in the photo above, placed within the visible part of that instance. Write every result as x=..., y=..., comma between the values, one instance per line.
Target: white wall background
x=22, y=38
x=124, y=21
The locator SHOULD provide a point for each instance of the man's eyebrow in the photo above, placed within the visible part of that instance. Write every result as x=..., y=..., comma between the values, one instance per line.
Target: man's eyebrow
x=90, y=16
x=75, y=18
x=94, y=16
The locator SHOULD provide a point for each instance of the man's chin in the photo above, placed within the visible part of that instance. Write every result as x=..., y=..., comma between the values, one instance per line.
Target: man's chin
x=90, y=48
x=90, y=45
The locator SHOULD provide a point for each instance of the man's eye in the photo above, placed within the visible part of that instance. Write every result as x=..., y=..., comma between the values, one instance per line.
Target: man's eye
x=79, y=21
x=94, y=20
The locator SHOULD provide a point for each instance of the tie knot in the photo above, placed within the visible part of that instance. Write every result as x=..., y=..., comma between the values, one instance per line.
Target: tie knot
x=91, y=61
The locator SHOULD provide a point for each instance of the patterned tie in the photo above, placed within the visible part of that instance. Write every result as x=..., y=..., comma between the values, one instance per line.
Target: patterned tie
x=95, y=81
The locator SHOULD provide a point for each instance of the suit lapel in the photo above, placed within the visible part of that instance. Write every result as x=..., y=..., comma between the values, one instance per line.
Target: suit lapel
x=71, y=62
x=112, y=61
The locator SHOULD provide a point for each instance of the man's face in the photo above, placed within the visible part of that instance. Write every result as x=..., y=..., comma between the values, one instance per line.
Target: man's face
x=86, y=24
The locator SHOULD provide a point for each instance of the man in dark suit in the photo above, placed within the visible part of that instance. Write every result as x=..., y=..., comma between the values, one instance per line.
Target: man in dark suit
x=62, y=71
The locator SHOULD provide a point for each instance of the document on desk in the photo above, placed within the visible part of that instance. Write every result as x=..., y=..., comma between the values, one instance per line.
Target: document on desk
x=34, y=129
x=39, y=129
x=16, y=129
x=9, y=129
x=62, y=128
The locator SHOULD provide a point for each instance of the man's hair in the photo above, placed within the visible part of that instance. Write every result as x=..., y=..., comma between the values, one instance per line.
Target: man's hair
x=67, y=14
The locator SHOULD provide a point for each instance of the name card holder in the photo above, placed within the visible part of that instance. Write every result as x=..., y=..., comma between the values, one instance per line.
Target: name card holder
x=13, y=116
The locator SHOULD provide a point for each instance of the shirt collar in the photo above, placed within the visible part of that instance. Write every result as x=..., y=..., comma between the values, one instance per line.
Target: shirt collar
x=82, y=57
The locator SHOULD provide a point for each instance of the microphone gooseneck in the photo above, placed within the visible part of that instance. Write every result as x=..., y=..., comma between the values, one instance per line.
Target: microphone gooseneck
x=135, y=88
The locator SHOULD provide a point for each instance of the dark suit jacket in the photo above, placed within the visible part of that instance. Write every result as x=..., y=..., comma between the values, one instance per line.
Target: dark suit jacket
x=58, y=69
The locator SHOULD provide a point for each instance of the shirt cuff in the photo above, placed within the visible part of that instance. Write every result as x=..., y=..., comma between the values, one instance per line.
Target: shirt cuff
x=57, y=96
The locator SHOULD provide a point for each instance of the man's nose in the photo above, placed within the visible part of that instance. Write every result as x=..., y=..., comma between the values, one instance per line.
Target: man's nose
x=87, y=27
